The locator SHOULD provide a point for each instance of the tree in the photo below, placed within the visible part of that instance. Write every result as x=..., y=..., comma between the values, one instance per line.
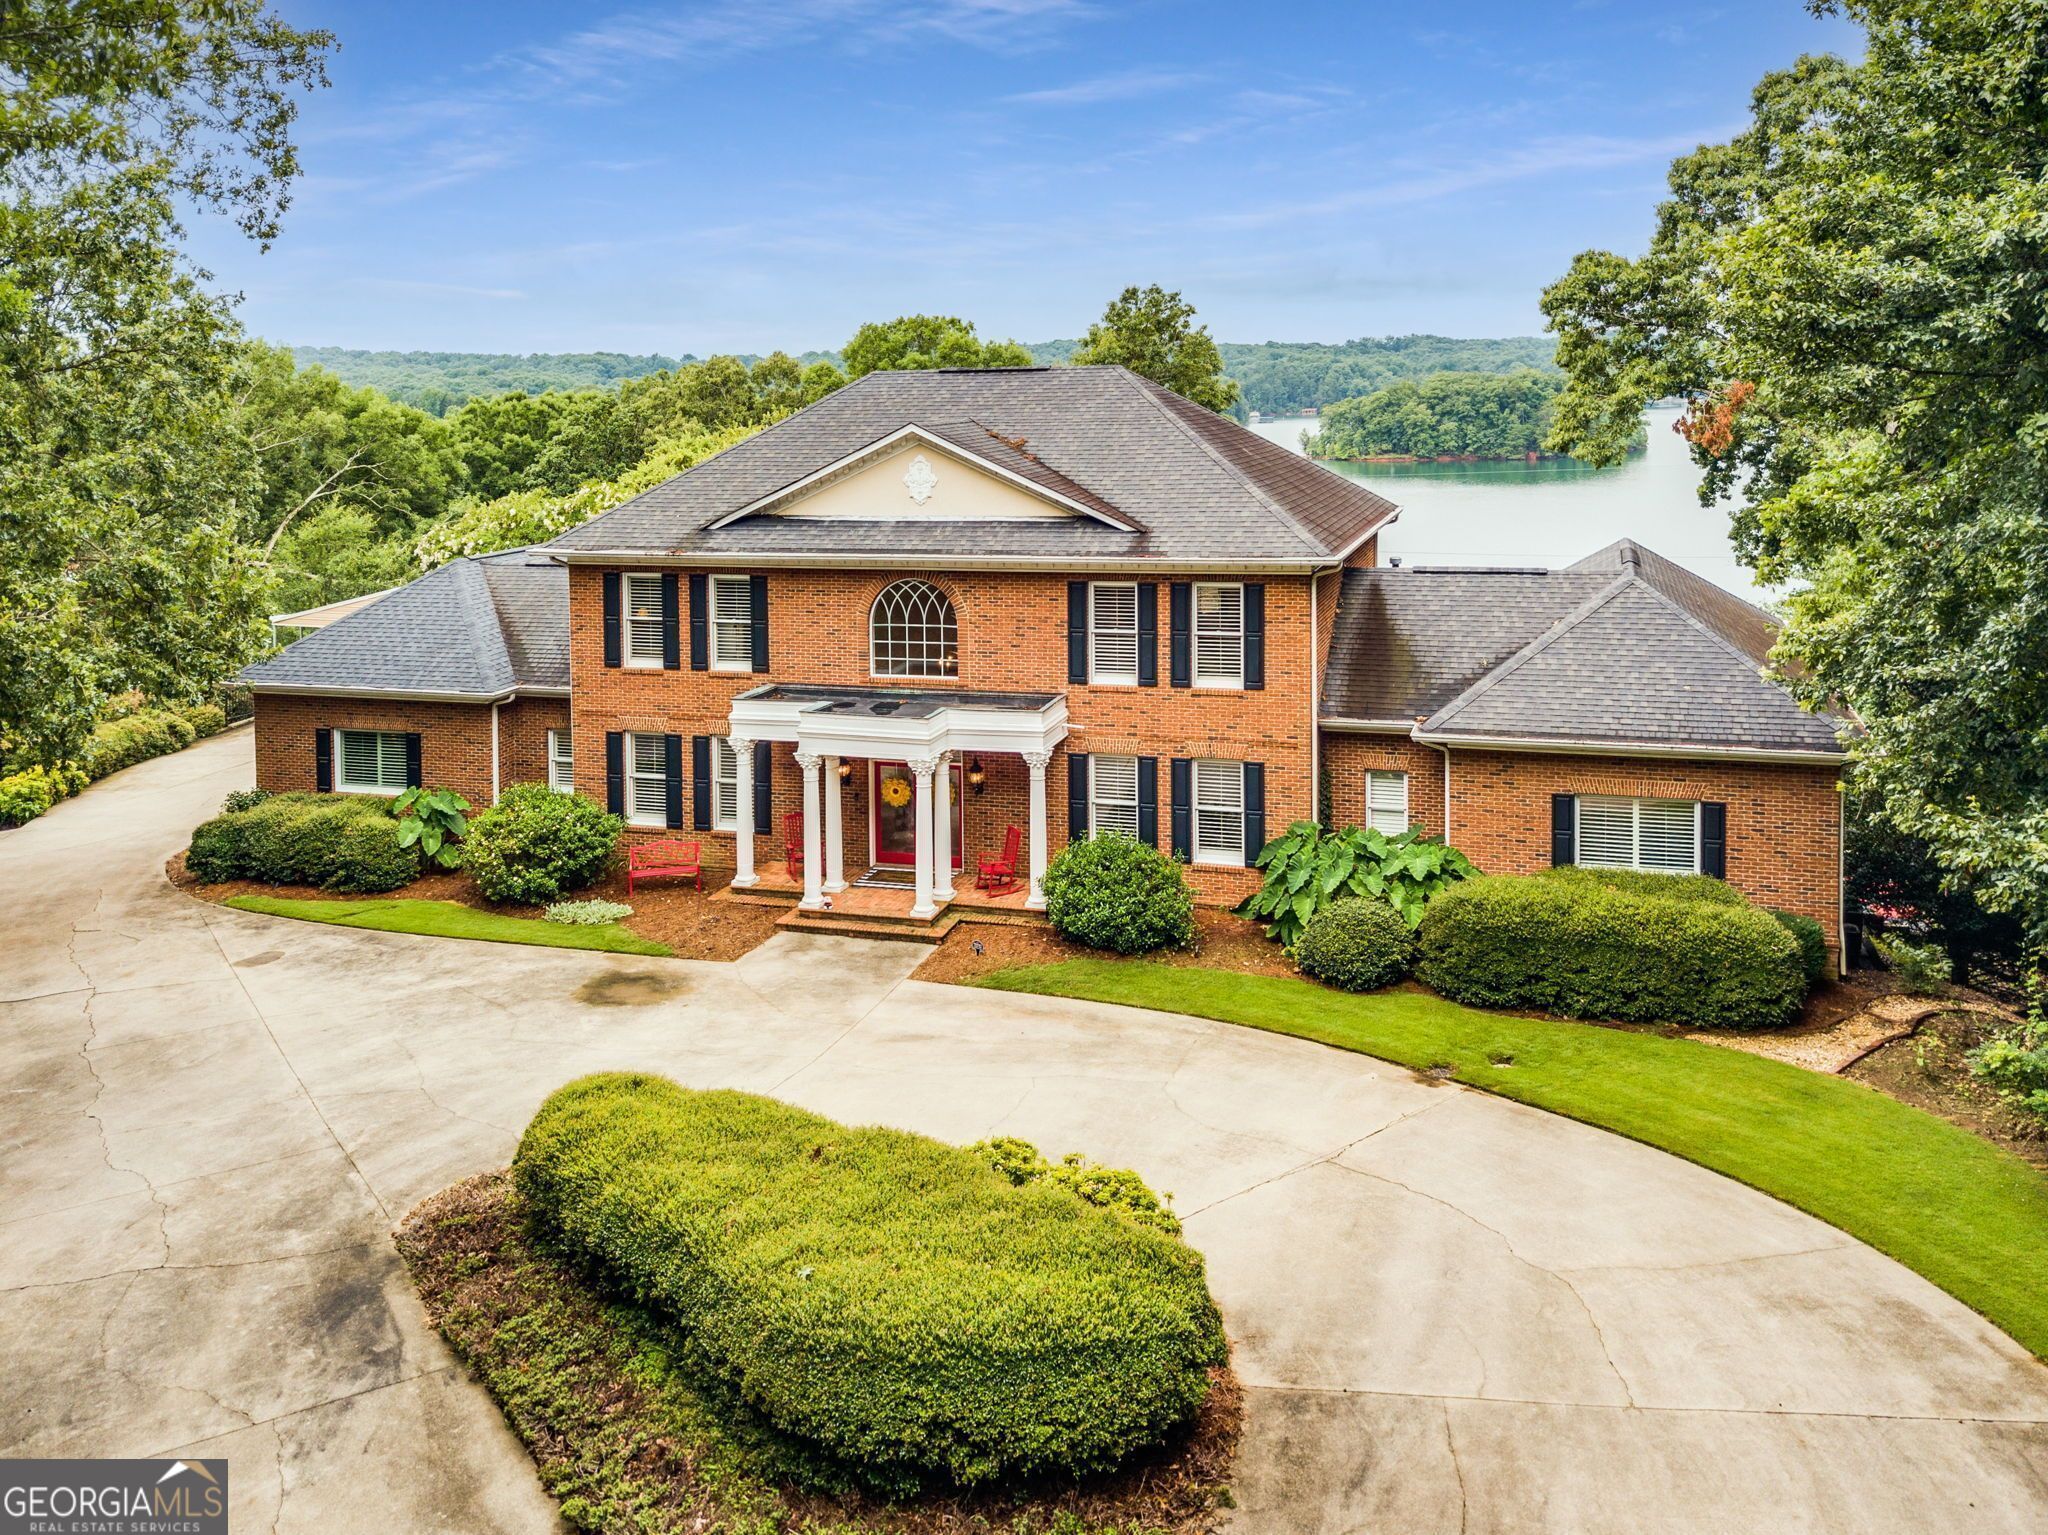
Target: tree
x=1491, y=415
x=498, y=437
x=927, y=341
x=1153, y=333
x=1853, y=294
x=124, y=484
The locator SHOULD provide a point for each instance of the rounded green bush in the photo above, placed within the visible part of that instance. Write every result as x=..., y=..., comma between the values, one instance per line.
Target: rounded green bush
x=1114, y=892
x=205, y=719
x=1357, y=945
x=892, y=1301
x=342, y=842
x=1584, y=949
x=536, y=843
x=1812, y=939
x=28, y=794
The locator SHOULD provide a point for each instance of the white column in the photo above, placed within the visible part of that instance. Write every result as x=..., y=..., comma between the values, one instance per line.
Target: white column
x=835, y=838
x=921, y=768
x=814, y=893
x=942, y=831
x=1036, y=761
x=744, y=877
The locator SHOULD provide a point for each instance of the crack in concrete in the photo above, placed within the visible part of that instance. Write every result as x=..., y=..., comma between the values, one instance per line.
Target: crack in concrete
x=99, y=1086
x=1312, y=1162
x=1458, y=1467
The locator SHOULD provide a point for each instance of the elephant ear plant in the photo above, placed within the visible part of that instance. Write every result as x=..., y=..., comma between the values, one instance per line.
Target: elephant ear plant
x=1308, y=868
x=436, y=820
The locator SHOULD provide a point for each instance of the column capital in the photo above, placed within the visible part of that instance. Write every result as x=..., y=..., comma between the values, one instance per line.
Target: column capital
x=742, y=746
x=1036, y=761
x=809, y=761
x=924, y=767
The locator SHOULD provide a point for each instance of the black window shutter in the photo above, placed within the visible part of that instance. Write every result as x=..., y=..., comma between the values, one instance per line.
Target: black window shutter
x=1077, y=796
x=1077, y=631
x=1183, y=784
x=613, y=653
x=1714, y=839
x=1255, y=634
x=1254, y=810
x=1180, y=603
x=1564, y=828
x=764, y=787
x=323, y=760
x=700, y=649
x=700, y=782
x=671, y=623
x=615, y=771
x=757, y=612
x=672, y=776
x=1148, y=801
x=413, y=780
x=1148, y=634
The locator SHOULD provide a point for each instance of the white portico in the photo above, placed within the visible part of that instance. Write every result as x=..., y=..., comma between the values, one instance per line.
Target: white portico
x=926, y=730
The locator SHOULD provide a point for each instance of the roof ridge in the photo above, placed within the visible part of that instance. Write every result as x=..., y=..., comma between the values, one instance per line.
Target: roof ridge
x=488, y=634
x=1529, y=652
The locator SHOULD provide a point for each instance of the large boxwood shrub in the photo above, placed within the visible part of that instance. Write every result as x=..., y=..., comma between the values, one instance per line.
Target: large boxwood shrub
x=1356, y=945
x=536, y=843
x=890, y=1300
x=1812, y=939
x=1583, y=948
x=1111, y=891
x=340, y=842
x=1703, y=888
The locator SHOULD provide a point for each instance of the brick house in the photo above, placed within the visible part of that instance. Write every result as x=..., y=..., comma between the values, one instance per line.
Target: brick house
x=863, y=644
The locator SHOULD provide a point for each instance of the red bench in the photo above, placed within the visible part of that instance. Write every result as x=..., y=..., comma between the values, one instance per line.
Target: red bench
x=660, y=859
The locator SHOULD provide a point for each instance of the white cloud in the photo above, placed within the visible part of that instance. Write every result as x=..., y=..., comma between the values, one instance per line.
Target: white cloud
x=1125, y=86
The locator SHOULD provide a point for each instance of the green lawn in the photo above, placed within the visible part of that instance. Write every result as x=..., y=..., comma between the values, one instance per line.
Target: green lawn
x=1956, y=1209
x=451, y=919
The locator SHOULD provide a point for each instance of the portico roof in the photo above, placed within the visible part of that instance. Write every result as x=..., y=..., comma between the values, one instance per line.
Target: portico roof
x=896, y=722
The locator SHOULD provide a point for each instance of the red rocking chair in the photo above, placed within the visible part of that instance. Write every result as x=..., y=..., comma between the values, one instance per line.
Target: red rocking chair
x=793, y=842
x=998, y=872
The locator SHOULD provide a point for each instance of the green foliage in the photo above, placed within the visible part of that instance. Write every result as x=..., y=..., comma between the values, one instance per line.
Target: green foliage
x=1920, y=967
x=2015, y=1066
x=1025, y=1333
x=1153, y=333
x=1850, y=292
x=341, y=842
x=31, y=792
x=1287, y=377
x=134, y=738
x=1813, y=944
x=1490, y=415
x=205, y=719
x=1645, y=882
x=588, y=913
x=1111, y=891
x=434, y=821
x=536, y=843
x=1581, y=949
x=926, y=341
x=1357, y=944
x=1116, y=1189
x=1307, y=868
x=243, y=799
x=333, y=552
x=438, y=382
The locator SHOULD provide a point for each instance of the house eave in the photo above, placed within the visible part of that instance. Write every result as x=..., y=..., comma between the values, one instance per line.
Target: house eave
x=1679, y=751
x=402, y=695
x=927, y=560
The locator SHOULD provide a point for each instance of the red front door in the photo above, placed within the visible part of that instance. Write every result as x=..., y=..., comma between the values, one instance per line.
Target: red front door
x=892, y=798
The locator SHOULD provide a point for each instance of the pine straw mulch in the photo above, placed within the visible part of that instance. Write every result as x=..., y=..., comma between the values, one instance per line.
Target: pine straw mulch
x=626, y=1441
x=672, y=912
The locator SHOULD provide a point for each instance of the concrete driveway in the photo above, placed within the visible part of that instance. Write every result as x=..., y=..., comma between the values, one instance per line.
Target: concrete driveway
x=1452, y=1313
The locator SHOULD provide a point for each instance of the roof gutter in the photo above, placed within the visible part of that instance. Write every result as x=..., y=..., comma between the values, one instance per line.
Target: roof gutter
x=329, y=690
x=928, y=559
x=1547, y=746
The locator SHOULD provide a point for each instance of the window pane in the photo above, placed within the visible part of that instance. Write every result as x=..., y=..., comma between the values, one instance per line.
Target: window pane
x=643, y=618
x=1113, y=791
x=725, y=784
x=1607, y=832
x=1667, y=835
x=561, y=762
x=1113, y=631
x=358, y=757
x=912, y=633
x=732, y=620
x=1386, y=802
x=1219, y=811
x=390, y=759
x=1219, y=632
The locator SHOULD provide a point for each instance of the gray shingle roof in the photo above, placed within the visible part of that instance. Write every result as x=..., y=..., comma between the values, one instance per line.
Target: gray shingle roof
x=1623, y=647
x=476, y=627
x=1198, y=487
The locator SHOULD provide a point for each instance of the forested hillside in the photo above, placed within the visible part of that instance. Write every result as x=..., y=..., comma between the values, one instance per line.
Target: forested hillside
x=1487, y=415
x=437, y=382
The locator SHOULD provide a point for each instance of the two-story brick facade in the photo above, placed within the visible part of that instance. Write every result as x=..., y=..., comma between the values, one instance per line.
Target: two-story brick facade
x=935, y=606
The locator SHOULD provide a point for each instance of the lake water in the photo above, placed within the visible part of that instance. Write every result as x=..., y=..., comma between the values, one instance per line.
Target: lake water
x=1548, y=513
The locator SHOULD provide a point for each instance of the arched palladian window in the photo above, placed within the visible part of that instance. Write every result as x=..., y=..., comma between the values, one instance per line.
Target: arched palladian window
x=911, y=632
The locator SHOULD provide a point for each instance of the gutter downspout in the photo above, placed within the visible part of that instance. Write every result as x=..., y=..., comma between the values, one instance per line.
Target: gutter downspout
x=494, y=749
x=1446, y=751
x=1315, y=700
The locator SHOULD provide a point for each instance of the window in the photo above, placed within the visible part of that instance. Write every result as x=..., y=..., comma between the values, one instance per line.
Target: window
x=369, y=761
x=911, y=632
x=1219, y=635
x=645, y=628
x=646, y=781
x=1386, y=802
x=1113, y=794
x=732, y=624
x=725, y=785
x=1113, y=633
x=1660, y=835
x=1219, y=812
x=561, y=763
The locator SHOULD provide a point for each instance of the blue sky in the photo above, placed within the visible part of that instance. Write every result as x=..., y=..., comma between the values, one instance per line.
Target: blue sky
x=736, y=175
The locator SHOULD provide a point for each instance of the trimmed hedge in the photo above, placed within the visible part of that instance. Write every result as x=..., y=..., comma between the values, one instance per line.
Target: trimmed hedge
x=341, y=842
x=537, y=842
x=1357, y=945
x=1812, y=939
x=134, y=738
x=1667, y=887
x=1111, y=891
x=1584, y=948
x=890, y=1300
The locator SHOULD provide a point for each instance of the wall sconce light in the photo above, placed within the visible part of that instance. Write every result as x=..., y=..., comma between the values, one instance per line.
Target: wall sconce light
x=845, y=771
x=977, y=779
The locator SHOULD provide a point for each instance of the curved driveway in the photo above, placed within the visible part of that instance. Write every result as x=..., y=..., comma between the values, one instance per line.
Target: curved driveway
x=1452, y=1313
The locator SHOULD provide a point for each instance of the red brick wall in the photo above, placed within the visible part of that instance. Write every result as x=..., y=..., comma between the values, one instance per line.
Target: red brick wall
x=455, y=739
x=1349, y=755
x=1012, y=639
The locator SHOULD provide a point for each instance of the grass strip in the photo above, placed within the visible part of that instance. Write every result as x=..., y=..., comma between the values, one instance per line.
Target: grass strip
x=1955, y=1209
x=451, y=919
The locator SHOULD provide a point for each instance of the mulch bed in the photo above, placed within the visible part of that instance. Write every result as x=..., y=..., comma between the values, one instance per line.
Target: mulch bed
x=1222, y=942
x=627, y=1441
x=1928, y=1071
x=672, y=913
